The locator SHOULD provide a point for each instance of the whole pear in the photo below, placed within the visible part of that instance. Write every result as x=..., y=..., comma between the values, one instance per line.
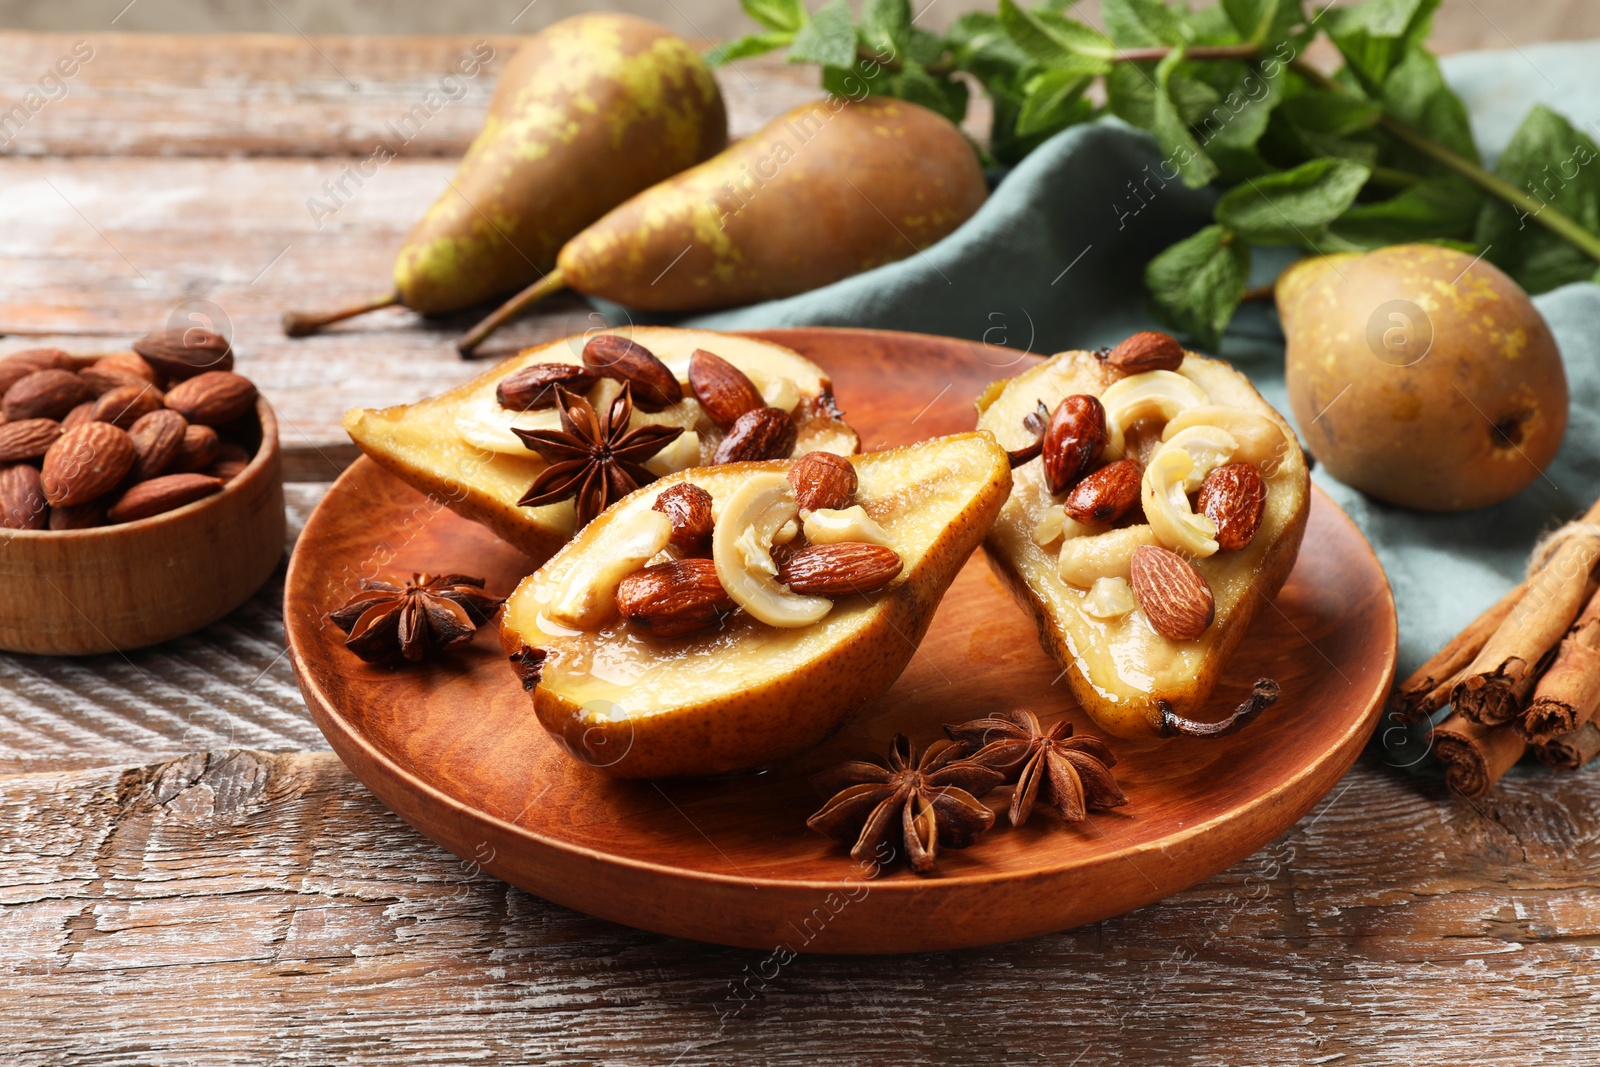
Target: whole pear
x=1421, y=376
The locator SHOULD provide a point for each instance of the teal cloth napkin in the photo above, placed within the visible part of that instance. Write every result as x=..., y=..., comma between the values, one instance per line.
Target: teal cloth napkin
x=1055, y=260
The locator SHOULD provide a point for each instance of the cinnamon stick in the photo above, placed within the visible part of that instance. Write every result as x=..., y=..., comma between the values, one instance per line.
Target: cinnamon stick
x=1571, y=750
x=1475, y=755
x=1569, y=691
x=1501, y=677
x=1428, y=688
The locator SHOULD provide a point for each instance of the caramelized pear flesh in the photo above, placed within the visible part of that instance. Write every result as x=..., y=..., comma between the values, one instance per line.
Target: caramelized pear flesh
x=459, y=447
x=1074, y=578
x=747, y=693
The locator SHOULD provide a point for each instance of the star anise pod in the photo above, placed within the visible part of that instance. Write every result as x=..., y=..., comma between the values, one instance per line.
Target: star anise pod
x=595, y=459
x=926, y=803
x=1070, y=774
x=385, y=622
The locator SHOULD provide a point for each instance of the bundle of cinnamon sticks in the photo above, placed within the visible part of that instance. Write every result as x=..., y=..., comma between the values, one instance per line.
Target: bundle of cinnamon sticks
x=1523, y=676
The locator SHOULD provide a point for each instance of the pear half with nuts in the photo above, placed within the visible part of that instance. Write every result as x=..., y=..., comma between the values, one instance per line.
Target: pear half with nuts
x=1158, y=502
x=724, y=618
x=732, y=398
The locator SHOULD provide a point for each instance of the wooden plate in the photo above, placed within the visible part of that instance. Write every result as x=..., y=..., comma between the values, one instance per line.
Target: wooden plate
x=455, y=750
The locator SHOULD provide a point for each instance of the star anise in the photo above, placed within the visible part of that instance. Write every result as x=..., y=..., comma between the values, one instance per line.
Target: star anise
x=926, y=803
x=596, y=459
x=1070, y=774
x=385, y=622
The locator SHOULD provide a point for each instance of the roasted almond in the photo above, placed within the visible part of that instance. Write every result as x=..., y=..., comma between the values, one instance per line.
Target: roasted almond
x=226, y=469
x=1105, y=495
x=161, y=494
x=27, y=439
x=822, y=481
x=839, y=569
x=200, y=449
x=765, y=433
x=18, y=365
x=127, y=404
x=1174, y=596
x=724, y=391
x=158, y=439
x=1073, y=440
x=128, y=363
x=46, y=394
x=231, y=452
x=86, y=463
x=81, y=517
x=102, y=379
x=1146, y=351
x=1234, y=497
x=22, y=502
x=214, y=398
x=611, y=355
x=534, y=387
x=79, y=415
x=183, y=353
x=676, y=598
x=689, y=508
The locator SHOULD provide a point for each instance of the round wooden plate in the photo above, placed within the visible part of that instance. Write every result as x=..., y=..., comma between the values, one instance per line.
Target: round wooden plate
x=454, y=749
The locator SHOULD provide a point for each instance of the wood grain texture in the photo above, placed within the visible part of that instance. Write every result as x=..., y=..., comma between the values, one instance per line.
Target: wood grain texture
x=238, y=906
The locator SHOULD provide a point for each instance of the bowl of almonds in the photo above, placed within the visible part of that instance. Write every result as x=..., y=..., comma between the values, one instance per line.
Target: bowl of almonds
x=141, y=493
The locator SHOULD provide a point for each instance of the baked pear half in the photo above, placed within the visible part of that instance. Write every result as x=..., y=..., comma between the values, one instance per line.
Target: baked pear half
x=726, y=617
x=1158, y=502
x=717, y=396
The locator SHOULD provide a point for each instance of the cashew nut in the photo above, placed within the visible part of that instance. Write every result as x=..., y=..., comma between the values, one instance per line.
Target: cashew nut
x=741, y=548
x=1157, y=393
x=1166, y=505
x=1085, y=560
x=1260, y=440
x=827, y=526
x=586, y=597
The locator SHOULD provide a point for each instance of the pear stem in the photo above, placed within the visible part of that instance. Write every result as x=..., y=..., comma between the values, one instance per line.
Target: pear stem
x=553, y=282
x=305, y=323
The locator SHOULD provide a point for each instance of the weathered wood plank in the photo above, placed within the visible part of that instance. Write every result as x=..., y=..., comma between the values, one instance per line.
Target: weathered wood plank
x=255, y=906
x=228, y=684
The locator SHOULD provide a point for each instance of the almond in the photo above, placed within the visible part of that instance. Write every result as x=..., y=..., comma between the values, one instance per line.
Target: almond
x=534, y=387
x=214, y=398
x=765, y=433
x=839, y=569
x=104, y=379
x=86, y=463
x=81, y=517
x=127, y=404
x=46, y=394
x=1234, y=497
x=1174, y=596
x=229, y=452
x=611, y=355
x=27, y=439
x=226, y=469
x=722, y=389
x=130, y=364
x=162, y=494
x=18, y=365
x=1073, y=440
x=79, y=415
x=689, y=508
x=200, y=449
x=158, y=438
x=1106, y=495
x=675, y=598
x=183, y=353
x=1146, y=351
x=22, y=503
x=822, y=481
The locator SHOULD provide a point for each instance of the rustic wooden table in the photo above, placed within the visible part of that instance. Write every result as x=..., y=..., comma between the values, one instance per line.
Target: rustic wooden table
x=188, y=876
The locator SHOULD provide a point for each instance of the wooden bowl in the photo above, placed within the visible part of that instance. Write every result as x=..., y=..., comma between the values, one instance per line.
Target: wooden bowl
x=454, y=748
x=112, y=588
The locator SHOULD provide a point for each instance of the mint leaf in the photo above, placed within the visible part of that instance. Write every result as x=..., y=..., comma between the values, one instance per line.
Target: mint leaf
x=1374, y=36
x=1142, y=23
x=1559, y=166
x=1231, y=129
x=946, y=96
x=886, y=25
x=1293, y=207
x=1178, y=144
x=1327, y=112
x=1197, y=283
x=828, y=39
x=1055, y=41
x=981, y=45
x=1053, y=101
x=783, y=15
x=1261, y=21
x=1438, y=209
x=1415, y=93
x=754, y=45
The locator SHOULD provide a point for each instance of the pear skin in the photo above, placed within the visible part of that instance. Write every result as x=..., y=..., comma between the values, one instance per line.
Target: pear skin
x=825, y=191
x=586, y=114
x=1421, y=376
